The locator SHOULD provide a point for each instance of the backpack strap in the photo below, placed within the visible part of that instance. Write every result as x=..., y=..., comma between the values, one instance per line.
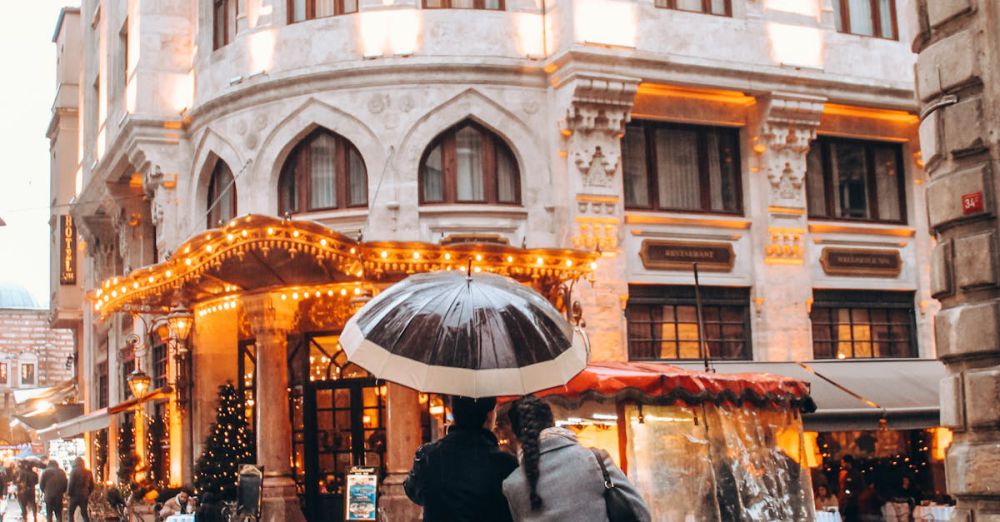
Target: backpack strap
x=598, y=454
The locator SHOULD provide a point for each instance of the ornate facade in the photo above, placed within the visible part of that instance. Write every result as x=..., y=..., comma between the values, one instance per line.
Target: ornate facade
x=753, y=136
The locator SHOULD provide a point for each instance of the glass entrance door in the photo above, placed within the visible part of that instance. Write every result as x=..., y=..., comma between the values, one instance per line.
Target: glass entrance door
x=338, y=421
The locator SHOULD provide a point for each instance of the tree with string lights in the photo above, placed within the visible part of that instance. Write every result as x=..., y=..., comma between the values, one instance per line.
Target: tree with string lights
x=230, y=442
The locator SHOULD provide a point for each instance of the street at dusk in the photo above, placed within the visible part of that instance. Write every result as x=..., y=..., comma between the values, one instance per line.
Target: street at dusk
x=501, y=261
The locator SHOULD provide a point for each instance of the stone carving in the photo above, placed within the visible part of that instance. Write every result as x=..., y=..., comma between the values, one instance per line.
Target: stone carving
x=406, y=103
x=784, y=246
x=789, y=127
x=599, y=108
x=597, y=222
x=530, y=107
x=377, y=103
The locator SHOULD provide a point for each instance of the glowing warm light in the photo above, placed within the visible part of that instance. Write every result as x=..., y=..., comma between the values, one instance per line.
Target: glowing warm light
x=479, y=257
x=343, y=291
x=796, y=45
x=392, y=31
x=477, y=269
x=593, y=265
x=329, y=293
x=208, y=248
x=384, y=254
x=353, y=250
x=169, y=273
x=510, y=259
x=135, y=284
x=244, y=233
x=374, y=33
x=447, y=256
x=261, y=45
x=295, y=234
x=284, y=297
x=530, y=34
x=569, y=262
x=940, y=443
x=798, y=7
x=539, y=261
x=187, y=261
x=295, y=296
x=182, y=91
x=270, y=231
x=605, y=22
x=322, y=242
x=229, y=237
x=416, y=255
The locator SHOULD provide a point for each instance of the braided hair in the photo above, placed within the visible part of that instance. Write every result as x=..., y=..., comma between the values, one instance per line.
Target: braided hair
x=528, y=416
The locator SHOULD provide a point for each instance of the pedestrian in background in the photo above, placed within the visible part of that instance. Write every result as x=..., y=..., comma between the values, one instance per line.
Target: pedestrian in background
x=53, y=484
x=458, y=478
x=27, y=479
x=559, y=479
x=81, y=484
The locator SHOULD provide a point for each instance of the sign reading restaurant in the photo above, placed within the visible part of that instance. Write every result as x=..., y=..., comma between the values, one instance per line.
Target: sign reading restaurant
x=67, y=250
x=680, y=255
x=861, y=262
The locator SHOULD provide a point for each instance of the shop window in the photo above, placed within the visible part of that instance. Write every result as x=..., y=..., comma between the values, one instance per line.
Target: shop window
x=682, y=168
x=866, y=17
x=28, y=374
x=323, y=172
x=716, y=7
x=247, y=367
x=492, y=5
x=4, y=377
x=224, y=15
x=435, y=416
x=102, y=385
x=663, y=323
x=856, y=180
x=862, y=325
x=159, y=366
x=469, y=164
x=302, y=10
x=221, y=201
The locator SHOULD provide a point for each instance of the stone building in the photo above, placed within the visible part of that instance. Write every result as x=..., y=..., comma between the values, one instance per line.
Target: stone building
x=956, y=74
x=772, y=141
x=33, y=356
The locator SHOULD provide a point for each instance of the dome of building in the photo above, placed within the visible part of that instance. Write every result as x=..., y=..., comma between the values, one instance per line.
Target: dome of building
x=13, y=295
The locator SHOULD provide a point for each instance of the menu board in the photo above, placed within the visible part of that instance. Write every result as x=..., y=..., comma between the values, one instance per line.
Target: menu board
x=362, y=494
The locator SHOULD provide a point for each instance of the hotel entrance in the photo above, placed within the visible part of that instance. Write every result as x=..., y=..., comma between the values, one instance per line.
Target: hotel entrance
x=338, y=421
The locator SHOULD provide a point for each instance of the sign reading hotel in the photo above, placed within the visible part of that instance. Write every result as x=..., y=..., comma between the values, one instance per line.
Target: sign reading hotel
x=861, y=262
x=67, y=250
x=681, y=255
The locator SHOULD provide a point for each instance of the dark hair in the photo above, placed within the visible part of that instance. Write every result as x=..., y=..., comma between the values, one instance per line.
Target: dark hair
x=528, y=416
x=471, y=413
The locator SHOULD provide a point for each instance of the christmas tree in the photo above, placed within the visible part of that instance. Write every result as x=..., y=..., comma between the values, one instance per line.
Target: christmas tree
x=127, y=459
x=230, y=443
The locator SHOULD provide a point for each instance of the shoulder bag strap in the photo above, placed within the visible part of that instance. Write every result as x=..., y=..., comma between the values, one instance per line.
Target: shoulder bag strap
x=608, y=483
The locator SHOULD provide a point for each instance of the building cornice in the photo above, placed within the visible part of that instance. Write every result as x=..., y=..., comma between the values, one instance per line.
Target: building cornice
x=744, y=77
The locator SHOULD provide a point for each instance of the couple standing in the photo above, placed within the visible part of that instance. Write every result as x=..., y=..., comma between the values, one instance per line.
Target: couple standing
x=466, y=477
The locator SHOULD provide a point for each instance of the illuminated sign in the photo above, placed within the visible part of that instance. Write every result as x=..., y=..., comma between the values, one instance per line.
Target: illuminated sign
x=67, y=250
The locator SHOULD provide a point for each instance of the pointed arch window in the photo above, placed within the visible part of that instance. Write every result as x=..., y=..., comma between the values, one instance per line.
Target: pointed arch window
x=323, y=172
x=221, y=204
x=469, y=164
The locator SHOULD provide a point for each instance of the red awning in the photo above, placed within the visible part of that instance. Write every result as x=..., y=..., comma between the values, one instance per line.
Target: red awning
x=654, y=383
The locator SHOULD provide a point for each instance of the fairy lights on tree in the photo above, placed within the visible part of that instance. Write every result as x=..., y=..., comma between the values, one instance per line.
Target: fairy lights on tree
x=229, y=443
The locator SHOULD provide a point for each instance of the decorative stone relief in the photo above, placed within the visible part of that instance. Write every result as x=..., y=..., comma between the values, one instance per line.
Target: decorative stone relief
x=599, y=108
x=597, y=222
x=377, y=103
x=789, y=126
x=784, y=245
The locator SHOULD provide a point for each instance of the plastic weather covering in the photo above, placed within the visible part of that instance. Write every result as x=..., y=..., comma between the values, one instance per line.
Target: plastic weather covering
x=719, y=463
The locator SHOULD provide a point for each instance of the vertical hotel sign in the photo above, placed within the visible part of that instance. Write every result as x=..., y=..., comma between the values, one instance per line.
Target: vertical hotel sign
x=67, y=250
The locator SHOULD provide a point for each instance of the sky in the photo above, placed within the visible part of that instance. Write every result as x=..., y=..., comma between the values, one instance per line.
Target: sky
x=26, y=102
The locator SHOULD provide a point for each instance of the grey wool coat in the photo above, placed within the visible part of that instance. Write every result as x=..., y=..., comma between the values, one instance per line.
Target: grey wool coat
x=570, y=483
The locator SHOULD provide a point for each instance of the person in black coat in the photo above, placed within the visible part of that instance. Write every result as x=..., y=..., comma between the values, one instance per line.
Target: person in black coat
x=27, y=479
x=460, y=477
x=53, y=484
x=81, y=484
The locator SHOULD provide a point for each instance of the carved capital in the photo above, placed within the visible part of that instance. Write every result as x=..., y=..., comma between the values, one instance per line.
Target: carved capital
x=788, y=128
x=270, y=315
x=600, y=103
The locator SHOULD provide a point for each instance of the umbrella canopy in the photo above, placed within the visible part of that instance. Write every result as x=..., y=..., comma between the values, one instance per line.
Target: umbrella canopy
x=474, y=335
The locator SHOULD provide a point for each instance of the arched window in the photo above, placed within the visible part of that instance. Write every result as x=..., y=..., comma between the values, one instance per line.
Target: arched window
x=324, y=171
x=469, y=164
x=221, y=202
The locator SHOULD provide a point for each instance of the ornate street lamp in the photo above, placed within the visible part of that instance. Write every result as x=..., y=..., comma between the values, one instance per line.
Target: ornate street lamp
x=139, y=382
x=175, y=329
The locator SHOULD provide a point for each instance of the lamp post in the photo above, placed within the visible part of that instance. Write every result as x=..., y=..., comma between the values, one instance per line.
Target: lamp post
x=175, y=329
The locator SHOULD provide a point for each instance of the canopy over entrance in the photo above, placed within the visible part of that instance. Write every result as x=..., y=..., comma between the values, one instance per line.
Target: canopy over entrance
x=254, y=253
x=653, y=383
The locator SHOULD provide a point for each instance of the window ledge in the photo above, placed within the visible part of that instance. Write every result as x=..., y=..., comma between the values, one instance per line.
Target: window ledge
x=862, y=228
x=727, y=221
x=334, y=214
x=507, y=211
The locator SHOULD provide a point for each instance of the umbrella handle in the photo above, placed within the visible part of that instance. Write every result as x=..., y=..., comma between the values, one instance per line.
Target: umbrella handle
x=586, y=340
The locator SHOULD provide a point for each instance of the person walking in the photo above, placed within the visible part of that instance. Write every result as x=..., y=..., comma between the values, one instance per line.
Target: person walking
x=27, y=479
x=53, y=484
x=81, y=484
x=559, y=479
x=458, y=478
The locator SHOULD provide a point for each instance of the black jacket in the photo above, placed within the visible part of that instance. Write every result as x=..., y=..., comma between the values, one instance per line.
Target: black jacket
x=53, y=483
x=81, y=483
x=459, y=478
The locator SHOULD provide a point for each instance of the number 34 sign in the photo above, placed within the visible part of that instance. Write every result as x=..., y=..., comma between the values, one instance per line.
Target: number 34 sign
x=972, y=203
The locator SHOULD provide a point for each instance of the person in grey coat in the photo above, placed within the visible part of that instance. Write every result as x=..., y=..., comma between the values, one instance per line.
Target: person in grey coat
x=559, y=480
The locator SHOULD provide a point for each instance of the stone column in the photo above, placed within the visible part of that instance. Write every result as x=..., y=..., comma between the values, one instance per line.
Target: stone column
x=271, y=319
x=598, y=106
x=958, y=86
x=782, y=294
x=403, y=434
